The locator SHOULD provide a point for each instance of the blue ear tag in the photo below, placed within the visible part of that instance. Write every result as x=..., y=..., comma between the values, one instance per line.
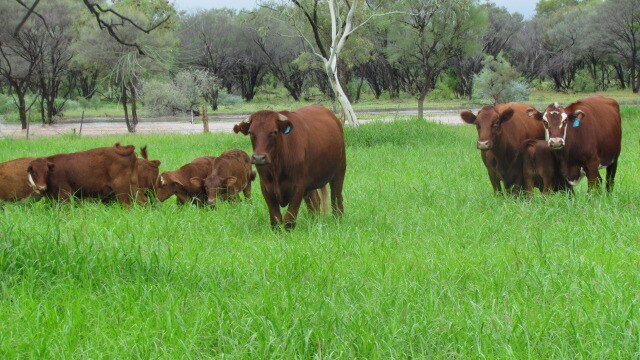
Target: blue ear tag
x=576, y=122
x=287, y=130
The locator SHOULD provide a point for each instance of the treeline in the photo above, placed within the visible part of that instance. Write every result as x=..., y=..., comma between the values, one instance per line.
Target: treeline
x=456, y=48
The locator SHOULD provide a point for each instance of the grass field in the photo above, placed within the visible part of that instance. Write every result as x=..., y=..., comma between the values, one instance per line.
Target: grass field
x=427, y=262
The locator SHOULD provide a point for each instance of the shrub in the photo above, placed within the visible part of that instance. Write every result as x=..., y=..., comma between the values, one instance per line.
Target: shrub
x=499, y=82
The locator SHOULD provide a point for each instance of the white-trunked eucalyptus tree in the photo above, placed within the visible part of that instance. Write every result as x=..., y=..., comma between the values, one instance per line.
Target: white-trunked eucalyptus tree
x=326, y=41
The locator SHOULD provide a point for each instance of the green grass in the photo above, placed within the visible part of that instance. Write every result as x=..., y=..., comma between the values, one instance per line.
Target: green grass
x=427, y=262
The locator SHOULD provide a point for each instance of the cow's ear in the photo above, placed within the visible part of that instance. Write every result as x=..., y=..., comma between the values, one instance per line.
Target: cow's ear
x=284, y=124
x=230, y=181
x=578, y=114
x=170, y=178
x=533, y=113
x=243, y=128
x=505, y=116
x=155, y=163
x=468, y=117
x=197, y=182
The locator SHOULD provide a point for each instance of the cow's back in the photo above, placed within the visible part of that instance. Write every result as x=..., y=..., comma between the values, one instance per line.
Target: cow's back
x=13, y=179
x=94, y=171
x=318, y=144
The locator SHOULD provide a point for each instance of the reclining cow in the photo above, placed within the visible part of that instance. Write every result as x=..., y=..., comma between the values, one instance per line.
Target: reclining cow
x=96, y=173
x=15, y=183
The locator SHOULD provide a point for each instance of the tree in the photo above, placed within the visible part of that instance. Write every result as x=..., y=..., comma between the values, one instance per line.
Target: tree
x=498, y=81
x=619, y=23
x=428, y=38
x=20, y=55
x=125, y=66
x=327, y=42
x=52, y=70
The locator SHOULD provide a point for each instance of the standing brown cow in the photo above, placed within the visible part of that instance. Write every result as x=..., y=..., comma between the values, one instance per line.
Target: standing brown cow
x=179, y=183
x=501, y=131
x=296, y=153
x=97, y=173
x=587, y=136
x=231, y=174
x=15, y=183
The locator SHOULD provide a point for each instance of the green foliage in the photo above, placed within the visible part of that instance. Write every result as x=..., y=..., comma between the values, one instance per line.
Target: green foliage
x=162, y=97
x=499, y=82
x=224, y=98
x=426, y=262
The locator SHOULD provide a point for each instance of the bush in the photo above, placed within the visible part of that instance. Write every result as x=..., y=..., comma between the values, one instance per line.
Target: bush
x=499, y=82
x=161, y=98
x=224, y=98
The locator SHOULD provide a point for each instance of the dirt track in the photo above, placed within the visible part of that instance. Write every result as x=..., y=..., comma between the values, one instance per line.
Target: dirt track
x=220, y=123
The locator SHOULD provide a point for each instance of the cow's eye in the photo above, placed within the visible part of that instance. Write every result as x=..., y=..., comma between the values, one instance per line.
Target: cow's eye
x=495, y=125
x=274, y=133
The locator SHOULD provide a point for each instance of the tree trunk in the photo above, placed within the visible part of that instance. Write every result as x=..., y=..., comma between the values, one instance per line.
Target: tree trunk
x=22, y=109
x=421, y=105
x=205, y=118
x=43, y=117
x=349, y=115
x=130, y=126
x=620, y=75
x=214, y=99
x=134, y=105
x=359, y=90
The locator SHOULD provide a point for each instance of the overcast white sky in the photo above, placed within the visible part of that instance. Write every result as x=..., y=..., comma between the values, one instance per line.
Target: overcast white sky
x=525, y=7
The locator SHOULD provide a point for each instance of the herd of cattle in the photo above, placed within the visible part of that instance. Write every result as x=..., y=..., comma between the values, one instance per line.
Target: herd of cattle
x=299, y=154
x=523, y=148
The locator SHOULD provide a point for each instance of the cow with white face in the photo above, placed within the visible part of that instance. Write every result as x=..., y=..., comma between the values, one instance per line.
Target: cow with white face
x=586, y=135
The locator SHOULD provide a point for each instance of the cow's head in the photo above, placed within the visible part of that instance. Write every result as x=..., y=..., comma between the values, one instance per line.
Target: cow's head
x=38, y=173
x=489, y=124
x=555, y=119
x=216, y=187
x=266, y=129
x=169, y=183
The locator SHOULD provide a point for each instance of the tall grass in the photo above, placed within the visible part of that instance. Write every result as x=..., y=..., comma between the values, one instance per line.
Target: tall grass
x=426, y=262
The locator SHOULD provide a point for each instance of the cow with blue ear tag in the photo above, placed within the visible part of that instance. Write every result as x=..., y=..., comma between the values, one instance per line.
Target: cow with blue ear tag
x=297, y=155
x=587, y=136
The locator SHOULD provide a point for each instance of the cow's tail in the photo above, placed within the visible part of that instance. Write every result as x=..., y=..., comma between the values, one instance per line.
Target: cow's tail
x=323, y=193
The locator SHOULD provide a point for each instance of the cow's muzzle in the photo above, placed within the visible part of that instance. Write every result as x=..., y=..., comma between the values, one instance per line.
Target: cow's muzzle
x=483, y=145
x=556, y=143
x=259, y=159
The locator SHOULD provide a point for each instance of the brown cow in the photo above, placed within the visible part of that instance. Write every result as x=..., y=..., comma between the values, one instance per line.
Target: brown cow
x=540, y=165
x=179, y=183
x=231, y=174
x=15, y=183
x=96, y=173
x=148, y=171
x=587, y=136
x=297, y=153
x=501, y=131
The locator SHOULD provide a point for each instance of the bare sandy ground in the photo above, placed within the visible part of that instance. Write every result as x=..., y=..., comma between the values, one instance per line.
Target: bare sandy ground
x=222, y=123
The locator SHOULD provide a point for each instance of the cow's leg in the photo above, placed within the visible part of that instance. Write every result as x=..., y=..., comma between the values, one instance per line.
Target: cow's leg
x=122, y=187
x=294, y=207
x=64, y=194
x=495, y=181
x=275, y=217
x=336, y=194
x=312, y=199
x=529, y=183
x=247, y=191
x=611, y=174
x=593, y=176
